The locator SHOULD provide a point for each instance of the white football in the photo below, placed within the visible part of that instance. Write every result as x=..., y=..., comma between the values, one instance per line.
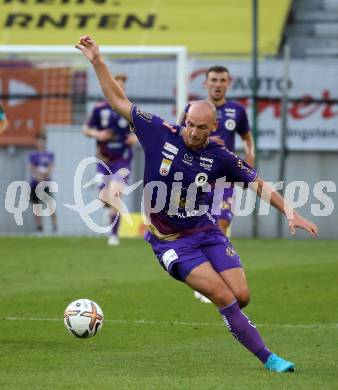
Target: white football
x=83, y=318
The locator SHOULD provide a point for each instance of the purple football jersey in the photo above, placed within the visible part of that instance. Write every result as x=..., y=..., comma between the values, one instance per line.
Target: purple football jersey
x=103, y=117
x=41, y=161
x=184, y=175
x=232, y=118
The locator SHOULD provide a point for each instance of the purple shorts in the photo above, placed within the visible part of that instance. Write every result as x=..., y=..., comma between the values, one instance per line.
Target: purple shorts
x=181, y=256
x=114, y=167
x=223, y=210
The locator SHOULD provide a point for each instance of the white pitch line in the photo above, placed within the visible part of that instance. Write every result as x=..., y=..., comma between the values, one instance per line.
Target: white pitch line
x=183, y=323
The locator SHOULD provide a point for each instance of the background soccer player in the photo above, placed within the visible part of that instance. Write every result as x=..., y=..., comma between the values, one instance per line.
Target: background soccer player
x=3, y=120
x=41, y=165
x=186, y=240
x=231, y=119
x=114, y=147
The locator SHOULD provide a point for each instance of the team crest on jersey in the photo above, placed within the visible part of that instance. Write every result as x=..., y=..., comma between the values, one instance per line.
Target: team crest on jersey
x=200, y=179
x=230, y=124
x=230, y=251
x=165, y=166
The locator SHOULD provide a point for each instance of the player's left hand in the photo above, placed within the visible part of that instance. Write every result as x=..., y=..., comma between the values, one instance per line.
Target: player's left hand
x=250, y=159
x=297, y=221
x=89, y=48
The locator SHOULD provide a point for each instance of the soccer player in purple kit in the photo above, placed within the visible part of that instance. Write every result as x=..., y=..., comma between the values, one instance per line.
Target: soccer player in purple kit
x=41, y=165
x=114, y=147
x=231, y=119
x=187, y=242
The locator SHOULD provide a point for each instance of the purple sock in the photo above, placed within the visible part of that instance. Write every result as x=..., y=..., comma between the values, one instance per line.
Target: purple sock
x=115, y=219
x=244, y=331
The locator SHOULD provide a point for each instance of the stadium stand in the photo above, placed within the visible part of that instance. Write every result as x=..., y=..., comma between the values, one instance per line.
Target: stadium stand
x=313, y=28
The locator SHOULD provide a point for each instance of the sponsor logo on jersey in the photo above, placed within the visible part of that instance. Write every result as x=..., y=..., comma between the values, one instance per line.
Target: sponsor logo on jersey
x=187, y=159
x=207, y=159
x=170, y=148
x=200, y=179
x=206, y=166
x=165, y=166
x=206, y=162
x=187, y=214
x=230, y=112
x=230, y=124
x=169, y=156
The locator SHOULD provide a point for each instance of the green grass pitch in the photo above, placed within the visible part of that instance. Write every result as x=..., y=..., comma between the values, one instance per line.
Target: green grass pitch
x=156, y=335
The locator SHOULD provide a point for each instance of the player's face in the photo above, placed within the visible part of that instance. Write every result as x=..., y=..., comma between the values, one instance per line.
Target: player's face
x=40, y=144
x=217, y=85
x=198, y=130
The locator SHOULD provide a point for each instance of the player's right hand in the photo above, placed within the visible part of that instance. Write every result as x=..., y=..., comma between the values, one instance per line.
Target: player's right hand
x=89, y=48
x=297, y=221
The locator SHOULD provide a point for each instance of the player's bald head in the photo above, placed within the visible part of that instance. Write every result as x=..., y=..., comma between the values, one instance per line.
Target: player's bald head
x=200, y=123
x=202, y=110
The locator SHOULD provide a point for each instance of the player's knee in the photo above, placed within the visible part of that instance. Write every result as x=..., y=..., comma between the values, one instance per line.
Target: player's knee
x=243, y=297
x=220, y=296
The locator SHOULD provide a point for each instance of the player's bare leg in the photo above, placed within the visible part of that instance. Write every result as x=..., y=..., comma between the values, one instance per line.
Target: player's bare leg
x=236, y=281
x=53, y=218
x=209, y=283
x=111, y=195
x=38, y=223
x=224, y=225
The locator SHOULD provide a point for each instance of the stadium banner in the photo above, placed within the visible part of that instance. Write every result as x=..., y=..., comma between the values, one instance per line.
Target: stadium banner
x=312, y=119
x=33, y=99
x=143, y=22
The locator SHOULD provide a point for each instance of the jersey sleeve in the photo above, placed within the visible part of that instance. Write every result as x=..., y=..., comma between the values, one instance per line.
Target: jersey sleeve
x=149, y=128
x=51, y=156
x=235, y=169
x=93, y=120
x=243, y=126
x=186, y=109
x=32, y=159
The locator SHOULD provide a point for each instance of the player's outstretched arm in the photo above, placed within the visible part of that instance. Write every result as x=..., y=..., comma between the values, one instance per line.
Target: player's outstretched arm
x=112, y=91
x=295, y=220
x=249, y=148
